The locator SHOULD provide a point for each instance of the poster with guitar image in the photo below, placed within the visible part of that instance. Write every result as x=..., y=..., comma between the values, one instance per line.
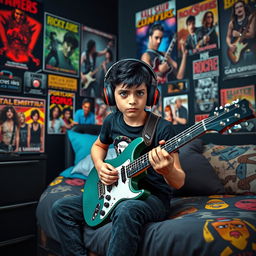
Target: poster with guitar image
x=238, y=38
x=98, y=53
x=198, y=27
x=156, y=40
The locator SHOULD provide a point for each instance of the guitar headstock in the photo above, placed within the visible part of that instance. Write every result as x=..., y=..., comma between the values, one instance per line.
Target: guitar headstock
x=229, y=115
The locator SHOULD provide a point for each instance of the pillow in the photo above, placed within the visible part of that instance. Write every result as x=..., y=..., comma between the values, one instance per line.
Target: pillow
x=201, y=178
x=85, y=165
x=81, y=144
x=235, y=166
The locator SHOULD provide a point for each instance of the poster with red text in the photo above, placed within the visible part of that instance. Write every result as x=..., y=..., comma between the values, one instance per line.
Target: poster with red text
x=230, y=95
x=205, y=77
x=61, y=106
x=22, y=124
x=21, y=24
x=198, y=27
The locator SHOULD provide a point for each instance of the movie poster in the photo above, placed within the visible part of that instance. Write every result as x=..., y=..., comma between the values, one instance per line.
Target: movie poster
x=60, y=111
x=175, y=110
x=98, y=53
x=22, y=124
x=61, y=45
x=243, y=92
x=21, y=34
x=158, y=21
x=238, y=38
x=205, y=78
x=198, y=27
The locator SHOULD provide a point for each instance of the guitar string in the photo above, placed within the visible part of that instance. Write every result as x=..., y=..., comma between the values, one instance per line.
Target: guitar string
x=144, y=158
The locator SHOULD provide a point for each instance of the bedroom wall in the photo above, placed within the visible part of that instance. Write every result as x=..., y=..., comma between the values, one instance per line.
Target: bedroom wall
x=127, y=48
x=101, y=15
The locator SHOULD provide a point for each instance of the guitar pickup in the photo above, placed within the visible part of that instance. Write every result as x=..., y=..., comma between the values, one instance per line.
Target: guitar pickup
x=95, y=213
x=123, y=176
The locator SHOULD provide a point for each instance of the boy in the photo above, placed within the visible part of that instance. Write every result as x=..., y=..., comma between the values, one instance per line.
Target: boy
x=130, y=81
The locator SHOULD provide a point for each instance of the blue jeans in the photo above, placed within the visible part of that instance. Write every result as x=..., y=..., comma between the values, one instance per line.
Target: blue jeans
x=128, y=220
x=67, y=214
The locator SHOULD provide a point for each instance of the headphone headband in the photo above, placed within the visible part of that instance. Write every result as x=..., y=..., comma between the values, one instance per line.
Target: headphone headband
x=153, y=92
x=151, y=71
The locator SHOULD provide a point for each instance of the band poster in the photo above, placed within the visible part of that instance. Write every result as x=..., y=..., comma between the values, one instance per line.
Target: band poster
x=98, y=53
x=22, y=124
x=60, y=111
x=158, y=22
x=243, y=92
x=205, y=78
x=238, y=38
x=61, y=45
x=198, y=27
x=21, y=34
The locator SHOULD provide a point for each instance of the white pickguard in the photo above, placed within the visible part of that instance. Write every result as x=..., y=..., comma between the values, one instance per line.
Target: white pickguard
x=120, y=192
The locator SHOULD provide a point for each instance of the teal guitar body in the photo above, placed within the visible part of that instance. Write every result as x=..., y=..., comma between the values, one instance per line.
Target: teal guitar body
x=99, y=200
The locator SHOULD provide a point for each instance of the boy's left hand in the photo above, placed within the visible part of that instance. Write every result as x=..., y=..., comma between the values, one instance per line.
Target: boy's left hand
x=161, y=160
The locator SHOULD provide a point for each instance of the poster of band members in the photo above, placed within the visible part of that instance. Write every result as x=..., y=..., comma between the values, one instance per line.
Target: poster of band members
x=238, y=38
x=243, y=92
x=175, y=110
x=22, y=124
x=205, y=77
x=61, y=45
x=60, y=111
x=21, y=24
x=98, y=53
x=156, y=41
x=198, y=27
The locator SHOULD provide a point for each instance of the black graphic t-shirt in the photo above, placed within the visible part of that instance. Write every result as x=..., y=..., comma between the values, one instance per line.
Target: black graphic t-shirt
x=115, y=131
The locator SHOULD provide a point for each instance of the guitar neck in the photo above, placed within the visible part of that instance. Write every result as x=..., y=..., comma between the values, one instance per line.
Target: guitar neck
x=172, y=145
x=223, y=118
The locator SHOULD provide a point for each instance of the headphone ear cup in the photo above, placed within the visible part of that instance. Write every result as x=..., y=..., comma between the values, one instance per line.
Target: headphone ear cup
x=153, y=96
x=108, y=94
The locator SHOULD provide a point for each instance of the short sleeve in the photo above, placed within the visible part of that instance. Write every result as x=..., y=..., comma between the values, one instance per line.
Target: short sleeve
x=105, y=133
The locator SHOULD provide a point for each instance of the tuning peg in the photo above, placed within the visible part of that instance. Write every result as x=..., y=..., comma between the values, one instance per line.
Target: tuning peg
x=237, y=115
x=227, y=105
x=245, y=124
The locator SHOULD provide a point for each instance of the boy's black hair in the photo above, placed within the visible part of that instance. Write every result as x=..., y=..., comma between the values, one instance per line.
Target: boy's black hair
x=129, y=73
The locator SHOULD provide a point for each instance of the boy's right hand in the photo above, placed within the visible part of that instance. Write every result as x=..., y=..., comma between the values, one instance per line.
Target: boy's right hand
x=107, y=174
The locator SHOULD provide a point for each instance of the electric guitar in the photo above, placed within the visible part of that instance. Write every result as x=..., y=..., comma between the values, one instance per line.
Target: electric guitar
x=235, y=55
x=99, y=200
x=201, y=41
x=88, y=78
x=162, y=76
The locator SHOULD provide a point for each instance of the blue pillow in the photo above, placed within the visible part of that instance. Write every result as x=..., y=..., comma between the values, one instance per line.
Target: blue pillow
x=81, y=144
x=85, y=165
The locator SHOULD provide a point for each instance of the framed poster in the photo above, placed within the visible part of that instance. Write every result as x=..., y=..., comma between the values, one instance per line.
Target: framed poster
x=98, y=53
x=61, y=45
x=22, y=124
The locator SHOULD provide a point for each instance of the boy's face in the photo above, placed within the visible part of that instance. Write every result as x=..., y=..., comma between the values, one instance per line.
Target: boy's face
x=131, y=101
